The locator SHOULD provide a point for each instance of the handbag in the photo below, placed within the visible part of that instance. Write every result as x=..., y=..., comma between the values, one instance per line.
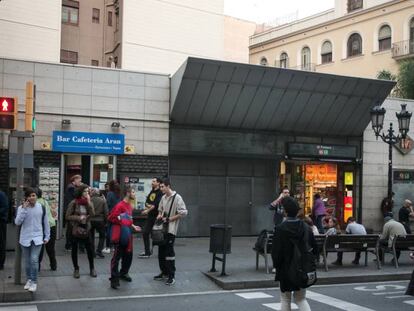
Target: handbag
x=80, y=232
x=160, y=229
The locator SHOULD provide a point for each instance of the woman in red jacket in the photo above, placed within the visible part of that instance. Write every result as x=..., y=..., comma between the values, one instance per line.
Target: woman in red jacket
x=121, y=236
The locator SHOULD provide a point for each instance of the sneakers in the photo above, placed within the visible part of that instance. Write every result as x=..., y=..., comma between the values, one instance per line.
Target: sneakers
x=33, y=287
x=76, y=274
x=92, y=273
x=160, y=277
x=114, y=283
x=126, y=278
x=106, y=250
x=144, y=255
x=99, y=255
x=28, y=283
x=170, y=281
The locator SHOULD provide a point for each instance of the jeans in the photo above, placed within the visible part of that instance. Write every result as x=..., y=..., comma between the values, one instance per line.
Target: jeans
x=300, y=300
x=31, y=260
x=319, y=224
x=166, y=256
x=99, y=226
x=120, y=254
x=149, y=223
x=50, y=249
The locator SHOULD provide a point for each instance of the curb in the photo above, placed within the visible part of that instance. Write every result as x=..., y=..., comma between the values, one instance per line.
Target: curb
x=14, y=293
x=245, y=284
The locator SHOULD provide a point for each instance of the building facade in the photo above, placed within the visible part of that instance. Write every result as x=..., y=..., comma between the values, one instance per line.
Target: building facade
x=356, y=38
x=100, y=123
x=32, y=34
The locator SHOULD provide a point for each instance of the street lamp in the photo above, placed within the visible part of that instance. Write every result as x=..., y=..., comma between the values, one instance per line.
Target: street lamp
x=377, y=118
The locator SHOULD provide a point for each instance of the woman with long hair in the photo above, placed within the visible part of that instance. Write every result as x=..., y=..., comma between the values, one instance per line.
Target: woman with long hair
x=79, y=212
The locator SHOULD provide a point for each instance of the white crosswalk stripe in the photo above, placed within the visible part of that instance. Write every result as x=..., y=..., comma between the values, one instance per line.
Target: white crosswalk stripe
x=254, y=295
x=409, y=302
x=334, y=302
x=278, y=306
x=19, y=308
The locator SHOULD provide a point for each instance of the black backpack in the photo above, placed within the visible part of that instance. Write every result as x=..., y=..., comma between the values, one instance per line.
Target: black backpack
x=302, y=267
x=261, y=241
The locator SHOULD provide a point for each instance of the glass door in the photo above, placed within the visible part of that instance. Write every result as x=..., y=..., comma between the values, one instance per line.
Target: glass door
x=103, y=170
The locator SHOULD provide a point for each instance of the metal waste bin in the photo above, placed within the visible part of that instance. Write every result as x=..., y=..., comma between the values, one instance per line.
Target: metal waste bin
x=220, y=243
x=220, y=239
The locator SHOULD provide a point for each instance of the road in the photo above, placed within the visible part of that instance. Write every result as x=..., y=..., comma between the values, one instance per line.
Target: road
x=350, y=297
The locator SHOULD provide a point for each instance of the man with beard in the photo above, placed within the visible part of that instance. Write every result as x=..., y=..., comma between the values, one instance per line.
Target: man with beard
x=151, y=209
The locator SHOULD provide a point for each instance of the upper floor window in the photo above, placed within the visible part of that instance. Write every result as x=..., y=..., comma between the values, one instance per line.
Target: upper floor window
x=284, y=60
x=384, y=38
x=412, y=29
x=70, y=12
x=306, y=58
x=263, y=61
x=94, y=62
x=95, y=15
x=354, y=5
x=68, y=57
x=354, y=45
x=326, y=52
x=109, y=18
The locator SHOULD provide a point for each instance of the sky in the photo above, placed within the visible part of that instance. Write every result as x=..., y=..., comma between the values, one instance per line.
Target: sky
x=271, y=11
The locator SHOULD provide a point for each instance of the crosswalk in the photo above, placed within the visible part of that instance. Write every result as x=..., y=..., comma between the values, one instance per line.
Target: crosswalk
x=324, y=299
x=19, y=308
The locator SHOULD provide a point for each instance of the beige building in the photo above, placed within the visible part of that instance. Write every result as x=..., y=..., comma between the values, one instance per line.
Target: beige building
x=356, y=38
x=150, y=36
x=90, y=32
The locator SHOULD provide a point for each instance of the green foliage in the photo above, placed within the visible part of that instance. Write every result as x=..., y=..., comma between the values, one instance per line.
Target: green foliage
x=406, y=79
x=386, y=75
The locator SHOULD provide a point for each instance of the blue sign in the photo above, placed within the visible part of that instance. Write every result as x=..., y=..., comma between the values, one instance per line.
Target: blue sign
x=85, y=142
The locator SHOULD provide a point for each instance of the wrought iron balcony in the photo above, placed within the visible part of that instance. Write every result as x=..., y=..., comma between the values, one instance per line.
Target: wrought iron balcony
x=403, y=49
x=285, y=64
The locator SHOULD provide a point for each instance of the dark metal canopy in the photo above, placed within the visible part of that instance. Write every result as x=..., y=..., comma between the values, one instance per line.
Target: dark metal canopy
x=211, y=93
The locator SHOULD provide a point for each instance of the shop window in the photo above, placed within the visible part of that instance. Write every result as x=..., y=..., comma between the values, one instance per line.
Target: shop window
x=384, y=38
x=354, y=45
x=263, y=61
x=354, y=5
x=110, y=18
x=70, y=13
x=95, y=15
x=306, y=58
x=94, y=62
x=326, y=52
x=68, y=57
x=284, y=60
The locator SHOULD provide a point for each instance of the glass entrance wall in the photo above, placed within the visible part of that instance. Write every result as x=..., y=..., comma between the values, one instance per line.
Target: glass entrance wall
x=103, y=170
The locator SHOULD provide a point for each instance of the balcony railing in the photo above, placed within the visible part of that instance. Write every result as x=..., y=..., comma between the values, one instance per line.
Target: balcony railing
x=285, y=64
x=403, y=49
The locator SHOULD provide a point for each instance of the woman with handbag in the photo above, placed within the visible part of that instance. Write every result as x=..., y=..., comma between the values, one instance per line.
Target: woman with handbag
x=79, y=212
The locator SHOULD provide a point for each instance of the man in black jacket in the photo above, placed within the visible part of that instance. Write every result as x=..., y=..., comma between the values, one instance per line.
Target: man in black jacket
x=4, y=210
x=151, y=209
x=292, y=229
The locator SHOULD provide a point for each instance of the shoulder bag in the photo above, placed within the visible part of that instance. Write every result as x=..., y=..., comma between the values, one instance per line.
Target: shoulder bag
x=160, y=229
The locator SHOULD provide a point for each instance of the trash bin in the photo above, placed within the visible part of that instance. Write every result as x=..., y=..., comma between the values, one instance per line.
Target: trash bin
x=220, y=239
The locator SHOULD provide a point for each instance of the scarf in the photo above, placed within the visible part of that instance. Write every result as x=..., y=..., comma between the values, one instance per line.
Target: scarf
x=82, y=201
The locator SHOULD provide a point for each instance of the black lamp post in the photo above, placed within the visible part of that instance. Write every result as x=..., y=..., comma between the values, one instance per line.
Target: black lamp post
x=377, y=118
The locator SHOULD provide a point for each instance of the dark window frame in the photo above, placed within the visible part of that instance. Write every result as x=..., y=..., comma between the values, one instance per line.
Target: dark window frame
x=326, y=57
x=110, y=18
x=354, y=5
x=95, y=62
x=70, y=11
x=351, y=52
x=264, y=61
x=284, y=60
x=67, y=59
x=384, y=43
x=96, y=19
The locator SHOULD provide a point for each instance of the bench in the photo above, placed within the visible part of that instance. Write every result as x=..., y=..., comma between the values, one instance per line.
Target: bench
x=267, y=251
x=351, y=243
x=400, y=243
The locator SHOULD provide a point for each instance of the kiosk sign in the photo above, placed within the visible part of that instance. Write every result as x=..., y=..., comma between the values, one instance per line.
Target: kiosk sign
x=85, y=142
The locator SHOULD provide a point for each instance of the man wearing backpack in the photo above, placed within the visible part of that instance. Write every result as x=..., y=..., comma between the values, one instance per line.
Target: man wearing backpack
x=294, y=257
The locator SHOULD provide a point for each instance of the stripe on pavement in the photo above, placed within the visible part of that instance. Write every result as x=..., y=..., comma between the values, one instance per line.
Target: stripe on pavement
x=334, y=302
x=278, y=306
x=409, y=302
x=254, y=295
x=19, y=308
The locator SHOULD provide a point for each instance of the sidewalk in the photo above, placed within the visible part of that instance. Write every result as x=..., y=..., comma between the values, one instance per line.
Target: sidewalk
x=193, y=263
